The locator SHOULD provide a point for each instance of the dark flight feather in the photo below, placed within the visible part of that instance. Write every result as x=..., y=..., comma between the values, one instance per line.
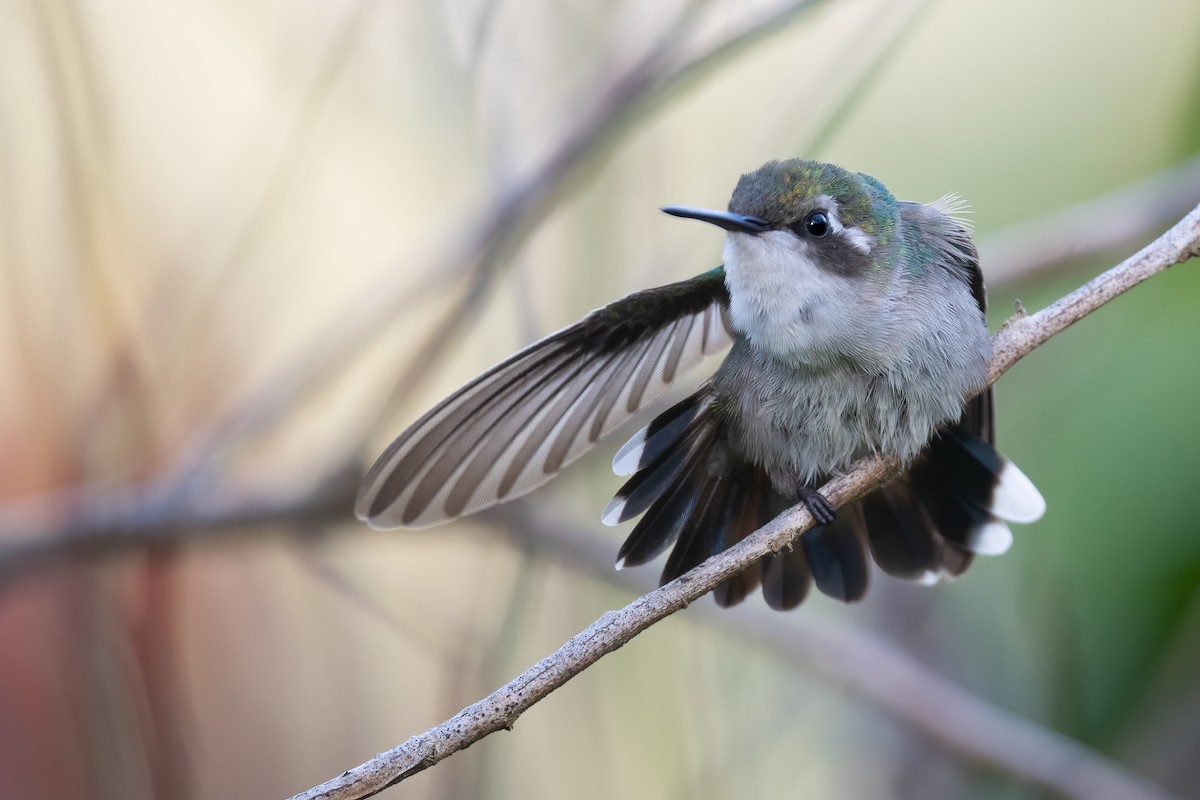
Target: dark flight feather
x=515, y=426
x=672, y=511
x=837, y=556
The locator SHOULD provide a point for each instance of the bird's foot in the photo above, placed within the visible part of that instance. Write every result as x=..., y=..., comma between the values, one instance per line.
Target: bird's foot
x=818, y=505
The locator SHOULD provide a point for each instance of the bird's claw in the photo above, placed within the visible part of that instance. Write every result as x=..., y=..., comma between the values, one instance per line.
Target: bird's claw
x=818, y=505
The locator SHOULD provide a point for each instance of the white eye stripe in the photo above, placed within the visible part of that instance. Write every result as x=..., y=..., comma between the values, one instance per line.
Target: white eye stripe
x=857, y=239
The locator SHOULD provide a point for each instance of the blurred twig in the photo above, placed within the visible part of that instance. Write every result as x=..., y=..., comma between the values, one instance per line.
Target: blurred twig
x=502, y=225
x=82, y=103
x=1129, y=215
x=446, y=643
x=1162, y=738
x=91, y=523
x=272, y=197
x=880, y=40
x=499, y=711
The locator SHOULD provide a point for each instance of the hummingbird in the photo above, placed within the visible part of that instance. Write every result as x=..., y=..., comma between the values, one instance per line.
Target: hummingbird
x=855, y=324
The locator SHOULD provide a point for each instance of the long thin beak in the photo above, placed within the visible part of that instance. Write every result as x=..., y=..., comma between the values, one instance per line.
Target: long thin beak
x=739, y=223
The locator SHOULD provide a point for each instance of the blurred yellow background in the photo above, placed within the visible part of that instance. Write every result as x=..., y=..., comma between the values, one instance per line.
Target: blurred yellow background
x=243, y=244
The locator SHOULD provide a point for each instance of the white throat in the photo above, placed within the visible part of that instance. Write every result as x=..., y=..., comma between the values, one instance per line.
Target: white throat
x=790, y=307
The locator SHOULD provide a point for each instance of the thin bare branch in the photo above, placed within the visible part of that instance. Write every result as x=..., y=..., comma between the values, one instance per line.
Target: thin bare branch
x=963, y=723
x=1022, y=333
x=500, y=710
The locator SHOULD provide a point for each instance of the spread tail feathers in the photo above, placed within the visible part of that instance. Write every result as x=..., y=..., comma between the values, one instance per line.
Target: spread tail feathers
x=695, y=497
x=692, y=497
x=952, y=504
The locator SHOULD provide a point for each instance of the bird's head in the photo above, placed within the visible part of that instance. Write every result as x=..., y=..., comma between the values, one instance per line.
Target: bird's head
x=810, y=259
x=841, y=221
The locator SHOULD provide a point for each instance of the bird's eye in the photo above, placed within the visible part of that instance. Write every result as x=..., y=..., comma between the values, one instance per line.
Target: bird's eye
x=817, y=224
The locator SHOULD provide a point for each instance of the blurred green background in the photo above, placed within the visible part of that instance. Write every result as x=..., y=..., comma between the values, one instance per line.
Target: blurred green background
x=243, y=244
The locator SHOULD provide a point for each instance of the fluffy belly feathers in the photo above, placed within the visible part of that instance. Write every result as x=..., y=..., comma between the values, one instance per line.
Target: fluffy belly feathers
x=803, y=425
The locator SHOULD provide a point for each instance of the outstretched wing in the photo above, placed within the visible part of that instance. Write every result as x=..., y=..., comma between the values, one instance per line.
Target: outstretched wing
x=515, y=426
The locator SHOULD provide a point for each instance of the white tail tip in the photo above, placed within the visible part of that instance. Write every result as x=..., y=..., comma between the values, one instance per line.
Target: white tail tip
x=1015, y=498
x=992, y=539
x=626, y=461
x=612, y=512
